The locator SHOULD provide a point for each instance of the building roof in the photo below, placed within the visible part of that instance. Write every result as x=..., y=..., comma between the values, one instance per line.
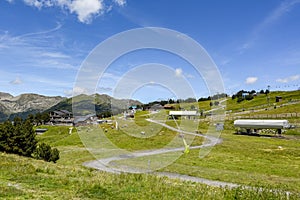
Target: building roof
x=66, y=112
x=62, y=112
x=183, y=113
x=83, y=118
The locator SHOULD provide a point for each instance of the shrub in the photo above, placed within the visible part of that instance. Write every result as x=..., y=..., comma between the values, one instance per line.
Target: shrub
x=54, y=155
x=44, y=152
x=240, y=99
x=249, y=97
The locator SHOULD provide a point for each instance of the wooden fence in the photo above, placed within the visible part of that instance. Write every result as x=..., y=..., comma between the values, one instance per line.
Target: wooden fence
x=265, y=116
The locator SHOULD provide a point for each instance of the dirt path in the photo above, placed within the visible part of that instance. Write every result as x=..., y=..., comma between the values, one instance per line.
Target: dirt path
x=102, y=164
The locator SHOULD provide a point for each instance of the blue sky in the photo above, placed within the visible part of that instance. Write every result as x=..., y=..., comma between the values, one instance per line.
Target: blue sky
x=253, y=43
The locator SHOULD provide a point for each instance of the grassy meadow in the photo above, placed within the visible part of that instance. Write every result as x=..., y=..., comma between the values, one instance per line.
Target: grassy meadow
x=26, y=178
x=269, y=165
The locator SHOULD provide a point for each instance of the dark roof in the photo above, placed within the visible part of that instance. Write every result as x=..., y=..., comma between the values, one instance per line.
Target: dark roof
x=62, y=112
x=58, y=112
x=83, y=118
x=66, y=112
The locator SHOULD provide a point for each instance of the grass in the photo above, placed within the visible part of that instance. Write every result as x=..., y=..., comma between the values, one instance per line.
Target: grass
x=261, y=101
x=131, y=143
x=246, y=160
x=59, y=136
x=139, y=134
x=293, y=108
x=25, y=178
x=239, y=159
x=72, y=151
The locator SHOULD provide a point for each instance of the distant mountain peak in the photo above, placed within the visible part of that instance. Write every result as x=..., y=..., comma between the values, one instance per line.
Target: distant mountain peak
x=25, y=103
x=5, y=96
x=30, y=103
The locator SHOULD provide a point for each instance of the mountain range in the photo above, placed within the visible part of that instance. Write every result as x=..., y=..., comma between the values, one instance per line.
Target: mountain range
x=25, y=104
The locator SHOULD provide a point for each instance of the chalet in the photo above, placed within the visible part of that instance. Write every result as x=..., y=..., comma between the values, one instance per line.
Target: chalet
x=61, y=117
x=85, y=120
x=156, y=107
x=169, y=107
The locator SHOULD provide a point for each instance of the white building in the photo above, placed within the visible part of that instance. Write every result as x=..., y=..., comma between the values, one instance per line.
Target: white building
x=184, y=113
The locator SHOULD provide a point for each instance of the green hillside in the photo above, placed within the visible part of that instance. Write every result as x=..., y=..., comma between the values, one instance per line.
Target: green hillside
x=265, y=167
x=261, y=101
x=26, y=178
x=260, y=104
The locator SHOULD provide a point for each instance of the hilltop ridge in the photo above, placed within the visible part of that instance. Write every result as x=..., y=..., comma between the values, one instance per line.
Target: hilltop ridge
x=28, y=103
x=25, y=104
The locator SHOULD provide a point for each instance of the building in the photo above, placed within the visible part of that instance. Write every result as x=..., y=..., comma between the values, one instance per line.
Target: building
x=278, y=98
x=156, y=107
x=183, y=113
x=61, y=117
x=169, y=107
x=85, y=120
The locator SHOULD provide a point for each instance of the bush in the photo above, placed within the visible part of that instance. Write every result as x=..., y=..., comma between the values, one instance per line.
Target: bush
x=240, y=99
x=249, y=97
x=44, y=152
x=54, y=155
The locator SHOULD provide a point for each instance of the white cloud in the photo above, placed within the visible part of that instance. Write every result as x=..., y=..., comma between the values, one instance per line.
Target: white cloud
x=55, y=55
x=288, y=79
x=282, y=9
x=35, y=3
x=120, y=2
x=41, y=49
x=17, y=81
x=189, y=75
x=251, y=80
x=77, y=91
x=84, y=9
x=269, y=20
x=178, y=72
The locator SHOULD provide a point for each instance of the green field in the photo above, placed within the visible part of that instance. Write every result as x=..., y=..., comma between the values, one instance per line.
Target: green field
x=265, y=167
x=247, y=160
x=258, y=102
x=25, y=178
x=261, y=101
x=232, y=161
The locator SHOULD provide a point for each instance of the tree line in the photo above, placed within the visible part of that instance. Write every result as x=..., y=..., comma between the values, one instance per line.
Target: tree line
x=18, y=137
x=247, y=95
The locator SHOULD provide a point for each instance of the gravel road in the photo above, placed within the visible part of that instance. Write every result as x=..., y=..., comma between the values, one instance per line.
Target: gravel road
x=102, y=164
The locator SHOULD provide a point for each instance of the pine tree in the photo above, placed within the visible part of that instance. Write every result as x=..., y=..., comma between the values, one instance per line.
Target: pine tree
x=17, y=137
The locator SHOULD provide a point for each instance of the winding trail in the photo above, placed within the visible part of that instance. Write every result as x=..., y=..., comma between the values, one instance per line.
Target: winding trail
x=102, y=164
